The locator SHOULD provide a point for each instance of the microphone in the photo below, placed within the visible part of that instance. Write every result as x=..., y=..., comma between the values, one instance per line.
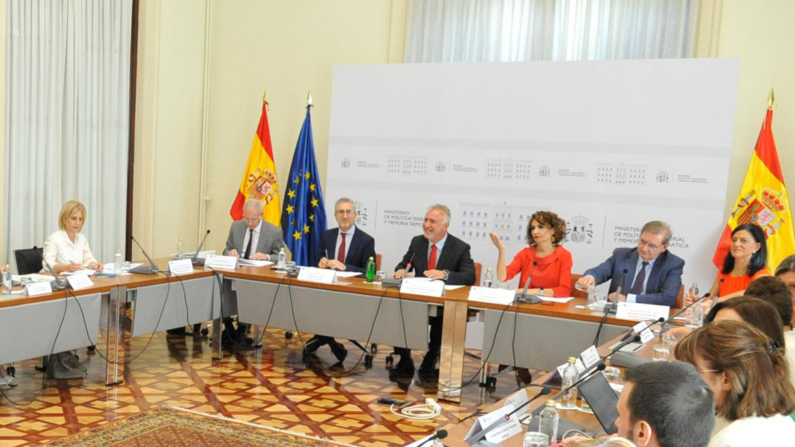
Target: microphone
x=441, y=434
x=392, y=282
x=631, y=331
x=612, y=307
x=195, y=259
x=58, y=284
x=150, y=269
x=522, y=297
x=408, y=265
x=482, y=434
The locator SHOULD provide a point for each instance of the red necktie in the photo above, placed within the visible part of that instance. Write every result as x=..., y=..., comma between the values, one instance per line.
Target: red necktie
x=341, y=253
x=432, y=258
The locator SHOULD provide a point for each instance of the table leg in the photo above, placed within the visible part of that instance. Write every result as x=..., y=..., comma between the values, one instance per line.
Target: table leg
x=114, y=370
x=451, y=362
x=218, y=324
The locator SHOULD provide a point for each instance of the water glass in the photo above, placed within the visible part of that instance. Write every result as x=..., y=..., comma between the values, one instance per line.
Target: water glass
x=661, y=353
x=125, y=267
x=380, y=275
x=612, y=375
x=535, y=439
x=668, y=339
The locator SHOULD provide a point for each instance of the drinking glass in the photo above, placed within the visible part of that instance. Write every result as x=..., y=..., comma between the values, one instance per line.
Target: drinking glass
x=535, y=439
x=661, y=353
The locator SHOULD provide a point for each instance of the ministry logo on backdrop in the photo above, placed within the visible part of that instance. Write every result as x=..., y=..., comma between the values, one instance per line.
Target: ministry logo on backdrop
x=441, y=166
x=544, y=171
x=662, y=177
x=579, y=230
x=345, y=163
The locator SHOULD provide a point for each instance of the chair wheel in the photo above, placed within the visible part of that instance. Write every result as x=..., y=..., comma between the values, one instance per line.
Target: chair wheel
x=205, y=332
x=389, y=360
x=368, y=361
x=491, y=382
x=288, y=335
x=374, y=349
x=92, y=348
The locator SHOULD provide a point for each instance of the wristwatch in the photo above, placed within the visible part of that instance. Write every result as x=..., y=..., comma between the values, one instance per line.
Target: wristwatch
x=446, y=274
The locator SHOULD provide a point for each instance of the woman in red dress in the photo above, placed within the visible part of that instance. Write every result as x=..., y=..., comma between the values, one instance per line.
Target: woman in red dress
x=545, y=259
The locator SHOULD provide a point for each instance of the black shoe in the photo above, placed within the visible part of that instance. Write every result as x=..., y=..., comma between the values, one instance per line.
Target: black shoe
x=403, y=370
x=339, y=351
x=428, y=374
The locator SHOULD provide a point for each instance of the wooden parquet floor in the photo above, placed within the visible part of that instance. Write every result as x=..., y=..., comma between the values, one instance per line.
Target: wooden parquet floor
x=272, y=387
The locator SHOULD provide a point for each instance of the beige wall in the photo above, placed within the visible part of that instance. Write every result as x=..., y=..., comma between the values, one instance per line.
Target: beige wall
x=762, y=35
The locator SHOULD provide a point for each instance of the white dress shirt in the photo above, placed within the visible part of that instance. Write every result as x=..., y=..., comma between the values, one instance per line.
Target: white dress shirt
x=59, y=249
x=348, y=239
x=254, y=242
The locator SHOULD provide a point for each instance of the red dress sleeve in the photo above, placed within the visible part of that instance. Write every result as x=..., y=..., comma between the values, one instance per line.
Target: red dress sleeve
x=564, y=288
x=517, y=264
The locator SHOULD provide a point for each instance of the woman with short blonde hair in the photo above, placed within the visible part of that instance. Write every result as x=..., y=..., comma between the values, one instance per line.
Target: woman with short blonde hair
x=67, y=250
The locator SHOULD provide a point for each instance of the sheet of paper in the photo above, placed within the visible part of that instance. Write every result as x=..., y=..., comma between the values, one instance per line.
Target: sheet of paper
x=452, y=287
x=556, y=300
x=87, y=272
x=255, y=262
x=110, y=268
x=33, y=277
x=347, y=274
x=490, y=295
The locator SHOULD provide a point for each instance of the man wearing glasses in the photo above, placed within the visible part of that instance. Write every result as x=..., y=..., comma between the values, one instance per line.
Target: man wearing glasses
x=653, y=274
x=344, y=248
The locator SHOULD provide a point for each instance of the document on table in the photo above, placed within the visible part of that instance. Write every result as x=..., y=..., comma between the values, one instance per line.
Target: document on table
x=87, y=272
x=556, y=300
x=109, y=269
x=32, y=277
x=341, y=274
x=452, y=287
x=255, y=262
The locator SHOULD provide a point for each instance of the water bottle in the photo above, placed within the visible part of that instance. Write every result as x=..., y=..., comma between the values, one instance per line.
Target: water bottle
x=118, y=264
x=7, y=283
x=180, y=249
x=370, y=270
x=570, y=376
x=548, y=422
x=695, y=315
x=488, y=279
x=282, y=259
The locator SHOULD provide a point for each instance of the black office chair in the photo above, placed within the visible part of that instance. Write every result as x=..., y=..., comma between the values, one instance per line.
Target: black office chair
x=29, y=260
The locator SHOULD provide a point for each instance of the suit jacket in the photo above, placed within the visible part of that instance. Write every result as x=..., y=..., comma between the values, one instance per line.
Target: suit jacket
x=664, y=281
x=362, y=247
x=270, y=239
x=455, y=258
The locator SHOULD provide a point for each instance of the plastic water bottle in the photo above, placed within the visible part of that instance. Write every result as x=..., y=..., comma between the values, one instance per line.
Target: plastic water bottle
x=488, y=279
x=7, y=283
x=180, y=249
x=282, y=259
x=370, y=270
x=548, y=422
x=570, y=376
x=118, y=263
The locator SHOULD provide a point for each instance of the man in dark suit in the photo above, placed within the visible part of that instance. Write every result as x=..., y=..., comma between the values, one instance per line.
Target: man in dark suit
x=345, y=248
x=436, y=254
x=249, y=238
x=651, y=274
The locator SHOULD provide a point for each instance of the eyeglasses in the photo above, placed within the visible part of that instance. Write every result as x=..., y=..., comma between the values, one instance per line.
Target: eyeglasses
x=650, y=246
x=345, y=212
x=252, y=219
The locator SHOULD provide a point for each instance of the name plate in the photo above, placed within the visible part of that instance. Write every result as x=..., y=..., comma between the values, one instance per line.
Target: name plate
x=493, y=296
x=590, y=356
x=488, y=419
x=181, y=267
x=639, y=312
x=80, y=282
x=421, y=286
x=313, y=274
x=38, y=288
x=221, y=262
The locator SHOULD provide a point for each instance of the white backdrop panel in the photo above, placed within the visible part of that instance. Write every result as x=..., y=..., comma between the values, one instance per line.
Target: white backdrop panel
x=608, y=145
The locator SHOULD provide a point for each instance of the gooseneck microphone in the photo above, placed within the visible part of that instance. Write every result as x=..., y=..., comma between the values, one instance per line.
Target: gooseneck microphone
x=195, y=259
x=523, y=297
x=409, y=266
x=58, y=283
x=612, y=307
x=150, y=269
x=441, y=434
x=706, y=295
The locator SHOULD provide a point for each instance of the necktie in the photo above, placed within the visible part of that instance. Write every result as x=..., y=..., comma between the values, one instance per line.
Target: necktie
x=248, y=247
x=341, y=253
x=637, y=287
x=432, y=258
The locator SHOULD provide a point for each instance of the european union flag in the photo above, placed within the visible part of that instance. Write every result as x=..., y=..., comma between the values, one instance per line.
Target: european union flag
x=304, y=213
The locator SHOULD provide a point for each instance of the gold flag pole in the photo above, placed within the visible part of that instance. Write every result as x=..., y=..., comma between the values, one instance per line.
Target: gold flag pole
x=265, y=100
x=309, y=100
x=771, y=100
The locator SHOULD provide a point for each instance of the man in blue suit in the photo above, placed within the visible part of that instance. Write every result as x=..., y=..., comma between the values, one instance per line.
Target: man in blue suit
x=651, y=274
x=345, y=248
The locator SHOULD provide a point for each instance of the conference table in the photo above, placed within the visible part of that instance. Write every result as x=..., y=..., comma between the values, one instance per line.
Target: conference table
x=456, y=435
x=543, y=338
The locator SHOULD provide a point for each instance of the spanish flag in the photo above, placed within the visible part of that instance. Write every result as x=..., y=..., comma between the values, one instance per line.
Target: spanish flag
x=763, y=201
x=259, y=179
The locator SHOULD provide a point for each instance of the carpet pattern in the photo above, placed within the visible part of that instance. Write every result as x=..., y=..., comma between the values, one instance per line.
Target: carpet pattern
x=167, y=426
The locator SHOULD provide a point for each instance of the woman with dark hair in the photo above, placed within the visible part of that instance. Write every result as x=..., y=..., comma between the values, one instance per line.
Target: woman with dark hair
x=744, y=263
x=749, y=375
x=545, y=261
